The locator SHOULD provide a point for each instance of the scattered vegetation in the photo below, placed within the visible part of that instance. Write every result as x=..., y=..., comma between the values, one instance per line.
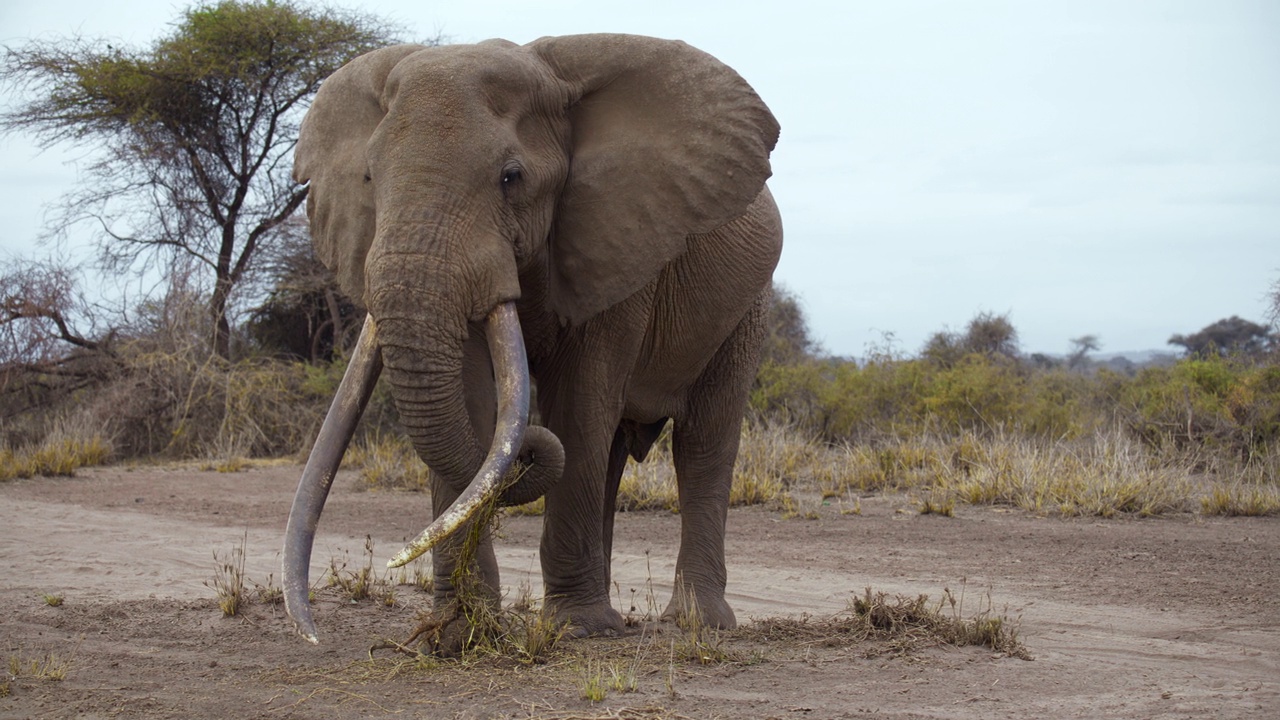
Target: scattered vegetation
x=659, y=655
x=971, y=421
x=229, y=580
x=49, y=666
x=901, y=625
x=361, y=583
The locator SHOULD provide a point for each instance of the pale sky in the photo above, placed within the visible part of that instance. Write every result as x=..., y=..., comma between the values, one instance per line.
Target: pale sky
x=1107, y=168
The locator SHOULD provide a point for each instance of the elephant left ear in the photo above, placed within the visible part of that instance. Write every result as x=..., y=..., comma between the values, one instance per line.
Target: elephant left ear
x=667, y=141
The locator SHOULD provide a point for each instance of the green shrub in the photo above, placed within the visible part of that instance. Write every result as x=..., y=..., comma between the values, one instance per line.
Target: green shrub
x=1216, y=403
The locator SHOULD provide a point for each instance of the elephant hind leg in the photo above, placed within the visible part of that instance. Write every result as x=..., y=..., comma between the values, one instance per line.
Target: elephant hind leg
x=705, y=447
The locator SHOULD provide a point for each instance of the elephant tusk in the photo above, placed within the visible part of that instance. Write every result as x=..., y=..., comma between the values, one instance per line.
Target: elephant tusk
x=317, y=477
x=511, y=373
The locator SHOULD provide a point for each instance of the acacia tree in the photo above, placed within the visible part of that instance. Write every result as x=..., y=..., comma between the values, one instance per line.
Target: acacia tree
x=1233, y=334
x=194, y=135
x=1080, y=349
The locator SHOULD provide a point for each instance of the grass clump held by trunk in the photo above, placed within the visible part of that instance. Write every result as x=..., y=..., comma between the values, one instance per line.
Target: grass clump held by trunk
x=475, y=623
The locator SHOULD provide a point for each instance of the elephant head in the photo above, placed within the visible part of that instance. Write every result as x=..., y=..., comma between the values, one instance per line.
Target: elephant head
x=464, y=191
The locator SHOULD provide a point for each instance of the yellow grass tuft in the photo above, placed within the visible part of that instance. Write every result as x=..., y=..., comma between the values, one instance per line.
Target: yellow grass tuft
x=388, y=462
x=58, y=455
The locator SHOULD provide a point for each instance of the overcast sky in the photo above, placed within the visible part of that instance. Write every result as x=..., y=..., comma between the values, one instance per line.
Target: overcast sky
x=1108, y=168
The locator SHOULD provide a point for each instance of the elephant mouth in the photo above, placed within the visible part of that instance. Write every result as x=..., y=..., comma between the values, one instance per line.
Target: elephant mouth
x=510, y=366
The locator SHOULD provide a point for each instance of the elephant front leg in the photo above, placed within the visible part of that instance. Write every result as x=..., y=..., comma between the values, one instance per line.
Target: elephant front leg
x=574, y=549
x=464, y=579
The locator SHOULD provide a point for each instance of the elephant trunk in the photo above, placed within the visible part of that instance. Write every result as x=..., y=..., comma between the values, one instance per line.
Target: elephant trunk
x=511, y=375
x=423, y=321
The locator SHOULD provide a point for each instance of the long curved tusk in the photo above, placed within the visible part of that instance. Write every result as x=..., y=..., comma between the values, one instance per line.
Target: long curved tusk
x=317, y=477
x=511, y=373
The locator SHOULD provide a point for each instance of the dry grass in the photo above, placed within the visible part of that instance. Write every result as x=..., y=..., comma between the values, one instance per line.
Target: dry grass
x=46, y=667
x=1241, y=499
x=229, y=580
x=900, y=625
x=655, y=658
x=361, y=582
x=70, y=445
x=388, y=462
x=1103, y=475
x=771, y=458
x=1106, y=474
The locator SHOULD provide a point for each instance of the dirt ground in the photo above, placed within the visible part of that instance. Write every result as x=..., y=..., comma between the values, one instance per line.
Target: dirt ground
x=1175, y=617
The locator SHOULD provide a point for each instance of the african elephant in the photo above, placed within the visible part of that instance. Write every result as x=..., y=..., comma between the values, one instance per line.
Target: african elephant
x=589, y=212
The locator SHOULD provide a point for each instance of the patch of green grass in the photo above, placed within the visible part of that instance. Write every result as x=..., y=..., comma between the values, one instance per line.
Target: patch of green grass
x=52, y=600
x=593, y=683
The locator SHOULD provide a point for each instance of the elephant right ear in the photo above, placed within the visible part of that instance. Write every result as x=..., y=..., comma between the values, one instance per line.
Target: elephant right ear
x=331, y=156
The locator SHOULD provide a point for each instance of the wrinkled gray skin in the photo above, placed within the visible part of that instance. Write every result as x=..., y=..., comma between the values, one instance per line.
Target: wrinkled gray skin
x=613, y=188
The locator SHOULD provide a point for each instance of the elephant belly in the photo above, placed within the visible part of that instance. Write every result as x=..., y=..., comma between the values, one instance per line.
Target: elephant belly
x=699, y=303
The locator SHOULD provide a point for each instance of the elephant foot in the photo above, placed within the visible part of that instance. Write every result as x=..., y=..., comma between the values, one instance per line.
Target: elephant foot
x=449, y=631
x=697, y=610
x=587, y=620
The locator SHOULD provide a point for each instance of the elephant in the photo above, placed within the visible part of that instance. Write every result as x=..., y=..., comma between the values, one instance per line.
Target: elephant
x=586, y=216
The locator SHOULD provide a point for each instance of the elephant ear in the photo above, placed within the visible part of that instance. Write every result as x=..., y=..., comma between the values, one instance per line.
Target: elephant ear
x=331, y=156
x=666, y=141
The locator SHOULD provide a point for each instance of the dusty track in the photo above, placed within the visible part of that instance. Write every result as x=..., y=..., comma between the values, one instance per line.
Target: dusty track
x=1173, y=617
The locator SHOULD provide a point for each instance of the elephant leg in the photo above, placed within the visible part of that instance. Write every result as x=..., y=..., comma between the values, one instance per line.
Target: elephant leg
x=575, y=565
x=704, y=447
x=613, y=478
x=481, y=573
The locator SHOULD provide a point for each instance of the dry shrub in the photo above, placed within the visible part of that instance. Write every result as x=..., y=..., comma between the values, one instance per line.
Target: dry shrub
x=387, y=461
x=181, y=405
x=228, y=582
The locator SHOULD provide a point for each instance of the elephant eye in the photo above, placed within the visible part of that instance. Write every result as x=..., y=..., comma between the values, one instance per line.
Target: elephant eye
x=510, y=177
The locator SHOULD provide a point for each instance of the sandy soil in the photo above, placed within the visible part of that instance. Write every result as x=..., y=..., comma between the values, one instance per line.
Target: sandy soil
x=1169, y=618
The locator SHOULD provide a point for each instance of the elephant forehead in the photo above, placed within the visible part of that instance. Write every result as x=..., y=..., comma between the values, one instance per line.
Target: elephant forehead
x=473, y=78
